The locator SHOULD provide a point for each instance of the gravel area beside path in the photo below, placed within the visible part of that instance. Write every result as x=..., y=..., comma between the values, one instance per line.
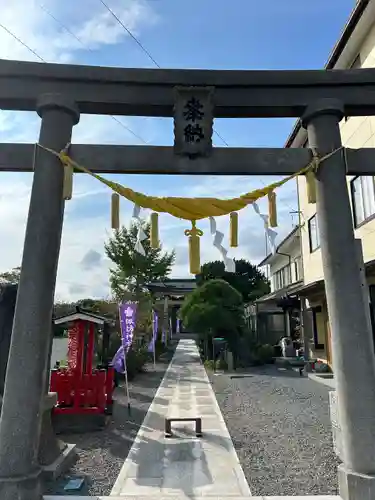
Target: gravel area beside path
x=280, y=426
x=102, y=454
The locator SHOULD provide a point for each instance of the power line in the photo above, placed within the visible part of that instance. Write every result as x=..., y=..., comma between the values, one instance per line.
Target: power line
x=137, y=41
x=21, y=42
x=65, y=27
x=221, y=138
x=129, y=129
x=117, y=120
x=88, y=48
x=143, y=48
x=82, y=43
x=155, y=62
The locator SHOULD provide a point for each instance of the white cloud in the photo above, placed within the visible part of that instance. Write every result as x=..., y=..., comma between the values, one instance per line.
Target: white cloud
x=87, y=20
x=83, y=267
x=78, y=240
x=104, y=28
x=252, y=241
x=96, y=28
x=91, y=260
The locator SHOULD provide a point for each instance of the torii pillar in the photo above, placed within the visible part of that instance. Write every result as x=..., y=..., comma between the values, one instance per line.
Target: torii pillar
x=352, y=343
x=25, y=381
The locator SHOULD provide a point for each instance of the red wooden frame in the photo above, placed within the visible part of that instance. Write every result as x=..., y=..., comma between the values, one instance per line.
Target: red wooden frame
x=80, y=388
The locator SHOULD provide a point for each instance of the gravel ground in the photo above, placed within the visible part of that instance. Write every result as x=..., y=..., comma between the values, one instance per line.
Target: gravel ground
x=280, y=427
x=102, y=454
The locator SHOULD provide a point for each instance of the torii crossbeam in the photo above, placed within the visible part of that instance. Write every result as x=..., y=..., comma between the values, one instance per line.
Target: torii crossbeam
x=112, y=159
x=149, y=92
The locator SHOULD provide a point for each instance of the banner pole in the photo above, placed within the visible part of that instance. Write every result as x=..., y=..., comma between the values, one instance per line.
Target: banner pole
x=126, y=382
x=155, y=335
x=155, y=354
x=127, y=317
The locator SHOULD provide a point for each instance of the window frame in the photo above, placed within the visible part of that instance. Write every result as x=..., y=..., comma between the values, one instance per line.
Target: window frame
x=297, y=265
x=315, y=310
x=315, y=216
x=287, y=276
x=369, y=217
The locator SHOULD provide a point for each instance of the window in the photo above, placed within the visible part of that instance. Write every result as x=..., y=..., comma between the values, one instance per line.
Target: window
x=278, y=280
x=314, y=233
x=297, y=264
x=318, y=327
x=363, y=198
x=282, y=278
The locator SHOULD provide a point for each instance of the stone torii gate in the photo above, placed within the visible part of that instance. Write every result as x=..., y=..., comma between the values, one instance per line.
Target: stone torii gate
x=59, y=93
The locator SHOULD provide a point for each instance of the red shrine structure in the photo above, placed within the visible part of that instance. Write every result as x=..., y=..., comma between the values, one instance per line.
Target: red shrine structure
x=81, y=388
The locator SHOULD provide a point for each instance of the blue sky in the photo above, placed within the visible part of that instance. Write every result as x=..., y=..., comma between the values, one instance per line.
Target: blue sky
x=241, y=34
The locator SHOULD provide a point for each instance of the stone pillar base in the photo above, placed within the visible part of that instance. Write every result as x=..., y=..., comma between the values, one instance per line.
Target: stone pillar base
x=55, y=456
x=355, y=486
x=21, y=488
x=67, y=458
x=50, y=447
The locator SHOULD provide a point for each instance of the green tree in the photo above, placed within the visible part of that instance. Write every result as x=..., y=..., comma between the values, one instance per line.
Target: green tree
x=12, y=276
x=133, y=271
x=248, y=280
x=215, y=309
x=106, y=308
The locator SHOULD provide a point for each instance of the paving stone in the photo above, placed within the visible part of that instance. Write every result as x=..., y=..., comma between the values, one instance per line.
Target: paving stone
x=188, y=466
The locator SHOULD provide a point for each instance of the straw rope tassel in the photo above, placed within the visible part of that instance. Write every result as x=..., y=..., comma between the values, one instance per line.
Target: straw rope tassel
x=191, y=208
x=154, y=230
x=272, y=211
x=233, y=229
x=115, y=211
x=194, y=248
x=68, y=182
x=311, y=186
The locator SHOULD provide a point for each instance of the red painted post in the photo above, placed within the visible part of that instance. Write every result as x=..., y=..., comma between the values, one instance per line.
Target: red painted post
x=80, y=332
x=73, y=345
x=53, y=382
x=101, y=394
x=109, y=385
x=90, y=349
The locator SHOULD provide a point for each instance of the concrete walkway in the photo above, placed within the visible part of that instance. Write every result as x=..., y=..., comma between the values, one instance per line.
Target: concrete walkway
x=176, y=497
x=183, y=465
x=329, y=382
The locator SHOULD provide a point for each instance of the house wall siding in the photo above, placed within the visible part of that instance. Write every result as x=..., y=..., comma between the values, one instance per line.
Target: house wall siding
x=279, y=261
x=356, y=132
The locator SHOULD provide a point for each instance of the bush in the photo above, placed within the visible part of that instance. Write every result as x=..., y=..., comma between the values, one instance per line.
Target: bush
x=265, y=353
x=160, y=348
x=215, y=307
x=141, y=357
x=252, y=354
x=247, y=350
x=136, y=359
x=209, y=364
x=221, y=364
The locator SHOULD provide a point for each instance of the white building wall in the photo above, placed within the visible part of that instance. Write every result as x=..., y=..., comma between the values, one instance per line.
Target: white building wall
x=356, y=132
x=290, y=264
